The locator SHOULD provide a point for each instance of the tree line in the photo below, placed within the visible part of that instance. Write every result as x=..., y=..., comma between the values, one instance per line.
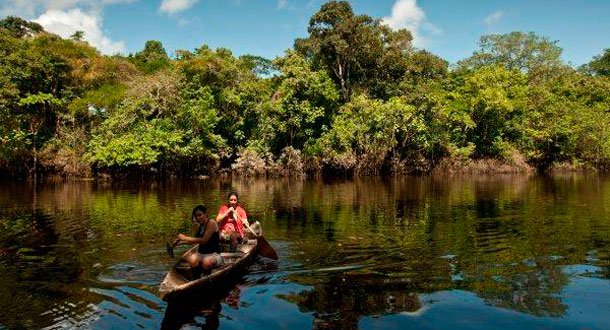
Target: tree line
x=352, y=97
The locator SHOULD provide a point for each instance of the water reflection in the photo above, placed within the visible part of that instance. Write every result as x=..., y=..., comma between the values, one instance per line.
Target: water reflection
x=502, y=239
x=342, y=300
x=202, y=312
x=351, y=251
x=35, y=267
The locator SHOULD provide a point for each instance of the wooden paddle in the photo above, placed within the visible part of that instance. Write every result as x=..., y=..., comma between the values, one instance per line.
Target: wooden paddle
x=170, y=249
x=266, y=250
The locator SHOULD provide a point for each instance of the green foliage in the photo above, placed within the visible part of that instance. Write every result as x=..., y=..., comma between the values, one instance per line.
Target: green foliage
x=600, y=65
x=491, y=103
x=355, y=50
x=515, y=51
x=152, y=58
x=95, y=103
x=567, y=119
x=19, y=27
x=303, y=103
x=77, y=36
x=352, y=95
x=234, y=85
x=157, y=122
x=259, y=65
x=368, y=131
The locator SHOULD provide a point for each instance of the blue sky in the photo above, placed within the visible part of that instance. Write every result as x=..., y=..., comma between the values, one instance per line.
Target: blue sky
x=448, y=28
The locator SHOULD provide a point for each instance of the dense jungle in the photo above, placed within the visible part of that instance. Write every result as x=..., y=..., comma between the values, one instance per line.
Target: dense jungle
x=352, y=97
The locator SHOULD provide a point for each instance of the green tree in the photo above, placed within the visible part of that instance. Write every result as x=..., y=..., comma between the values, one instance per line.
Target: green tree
x=77, y=36
x=303, y=102
x=19, y=27
x=38, y=75
x=490, y=102
x=356, y=50
x=160, y=123
x=600, y=65
x=369, y=134
x=259, y=65
x=515, y=51
x=235, y=86
x=152, y=58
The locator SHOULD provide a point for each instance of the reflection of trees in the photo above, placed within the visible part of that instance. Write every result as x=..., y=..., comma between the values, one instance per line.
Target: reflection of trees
x=506, y=241
x=532, y=288
x=484, y=231
x=35, y=270
x=342, y=300
x=503, y=237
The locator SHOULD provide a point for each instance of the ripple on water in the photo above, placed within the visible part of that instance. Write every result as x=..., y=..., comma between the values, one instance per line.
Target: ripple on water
x=72, y=315
x=128, y=306
x=133, y=273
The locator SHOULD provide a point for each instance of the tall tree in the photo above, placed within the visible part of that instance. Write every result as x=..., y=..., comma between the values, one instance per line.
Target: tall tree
x=152, y=58
x=351, y=47
x=515, y=50
x=303, y=102
x=492, y=101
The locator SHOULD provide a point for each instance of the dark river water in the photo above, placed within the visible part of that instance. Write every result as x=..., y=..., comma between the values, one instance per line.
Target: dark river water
x=413, y=252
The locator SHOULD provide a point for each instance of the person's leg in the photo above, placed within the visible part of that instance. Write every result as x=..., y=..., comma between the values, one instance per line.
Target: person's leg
x=234, y=240
x=211, y=261
x=194, y=259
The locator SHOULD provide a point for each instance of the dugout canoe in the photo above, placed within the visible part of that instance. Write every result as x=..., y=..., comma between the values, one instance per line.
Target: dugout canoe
x=182, y=281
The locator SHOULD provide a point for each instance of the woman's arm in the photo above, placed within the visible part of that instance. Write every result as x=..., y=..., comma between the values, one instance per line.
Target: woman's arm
x=209, y=231
x=241, y=216
x=222, y=216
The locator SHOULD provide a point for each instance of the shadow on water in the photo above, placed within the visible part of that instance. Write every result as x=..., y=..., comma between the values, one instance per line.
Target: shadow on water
x=203, y=310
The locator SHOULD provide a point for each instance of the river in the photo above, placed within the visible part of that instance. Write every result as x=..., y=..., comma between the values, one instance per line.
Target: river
x=474, y=252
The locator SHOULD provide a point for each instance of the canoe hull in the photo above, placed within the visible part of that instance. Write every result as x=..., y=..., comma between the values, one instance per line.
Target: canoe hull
x=182, y=283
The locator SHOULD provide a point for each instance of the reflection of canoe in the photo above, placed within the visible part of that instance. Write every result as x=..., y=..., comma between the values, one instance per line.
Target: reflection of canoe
x=181, y=280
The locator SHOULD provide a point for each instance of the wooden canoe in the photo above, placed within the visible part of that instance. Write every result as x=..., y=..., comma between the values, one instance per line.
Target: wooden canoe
x=183, y=282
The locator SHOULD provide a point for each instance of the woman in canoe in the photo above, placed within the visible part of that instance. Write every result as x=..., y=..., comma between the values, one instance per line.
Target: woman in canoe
x=208, y=238
x=232, y=219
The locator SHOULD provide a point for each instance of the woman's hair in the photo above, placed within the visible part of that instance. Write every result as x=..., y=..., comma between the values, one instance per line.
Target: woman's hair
x=198, y=208
x=232, y=193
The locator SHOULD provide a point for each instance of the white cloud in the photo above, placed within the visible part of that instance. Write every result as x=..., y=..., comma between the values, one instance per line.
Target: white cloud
x=407, y=15
x=30, y=8
x=64, y=17
x=65, y=23
x=494, y=18
x=281, y=4
x=175, y=6
x=312, y=3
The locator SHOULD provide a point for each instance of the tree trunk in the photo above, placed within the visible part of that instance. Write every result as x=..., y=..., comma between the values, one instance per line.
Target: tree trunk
x=34, y=151
x=341, y=75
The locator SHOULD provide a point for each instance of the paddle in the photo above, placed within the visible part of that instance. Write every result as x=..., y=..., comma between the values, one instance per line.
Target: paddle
x=266, y=250
x=170, y=248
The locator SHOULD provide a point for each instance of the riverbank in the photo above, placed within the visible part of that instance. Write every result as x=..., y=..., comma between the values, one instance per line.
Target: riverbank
x=292, y=164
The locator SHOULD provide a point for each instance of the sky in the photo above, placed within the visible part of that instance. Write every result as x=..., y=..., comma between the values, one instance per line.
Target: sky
x=448, y=28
